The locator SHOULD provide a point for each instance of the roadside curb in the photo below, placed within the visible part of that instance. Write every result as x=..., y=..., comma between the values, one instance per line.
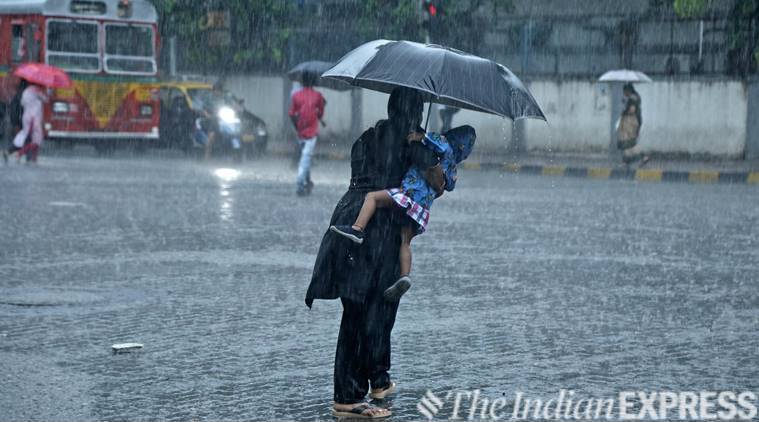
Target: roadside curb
x=601, y=173
x=643, y=175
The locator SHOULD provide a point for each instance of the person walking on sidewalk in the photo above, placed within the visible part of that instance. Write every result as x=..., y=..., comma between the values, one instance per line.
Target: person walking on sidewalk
x=629, y=125
x=306, y=112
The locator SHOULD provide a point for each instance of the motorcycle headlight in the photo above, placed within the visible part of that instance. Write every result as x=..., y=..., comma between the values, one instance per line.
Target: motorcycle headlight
x=60, y=107
x=261, y=130
x=227, y=115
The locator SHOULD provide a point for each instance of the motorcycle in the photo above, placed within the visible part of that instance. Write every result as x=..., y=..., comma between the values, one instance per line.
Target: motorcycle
x=230, y=130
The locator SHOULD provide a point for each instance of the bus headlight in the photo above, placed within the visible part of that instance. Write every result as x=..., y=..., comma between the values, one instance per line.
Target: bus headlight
x=227, y=115
x=146, y=110
x=60, y=107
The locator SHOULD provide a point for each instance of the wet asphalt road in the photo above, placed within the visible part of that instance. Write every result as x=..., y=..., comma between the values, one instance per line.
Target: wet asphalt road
x=522, y=283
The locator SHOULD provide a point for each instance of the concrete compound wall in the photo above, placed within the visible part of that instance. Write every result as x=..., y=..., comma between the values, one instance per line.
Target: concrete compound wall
x=752, y=121
x=679, y=117
x=263, y=96
x=694, y=117
x=578, y=117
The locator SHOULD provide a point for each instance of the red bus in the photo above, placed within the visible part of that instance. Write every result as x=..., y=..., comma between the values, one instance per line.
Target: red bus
x=110, y=50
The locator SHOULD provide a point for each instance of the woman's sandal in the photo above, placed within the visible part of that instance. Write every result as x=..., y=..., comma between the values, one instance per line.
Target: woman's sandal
x=383, y=393
x=358, y=412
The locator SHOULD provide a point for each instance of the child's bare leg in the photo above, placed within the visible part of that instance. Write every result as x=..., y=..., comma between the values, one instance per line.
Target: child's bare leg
x=372, y=201
x=394, y=292
x=407, y=234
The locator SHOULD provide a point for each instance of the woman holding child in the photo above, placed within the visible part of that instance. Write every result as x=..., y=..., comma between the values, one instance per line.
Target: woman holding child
x=360, y=274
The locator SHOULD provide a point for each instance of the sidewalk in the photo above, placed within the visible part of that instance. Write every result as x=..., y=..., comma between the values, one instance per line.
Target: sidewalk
x=602, y=166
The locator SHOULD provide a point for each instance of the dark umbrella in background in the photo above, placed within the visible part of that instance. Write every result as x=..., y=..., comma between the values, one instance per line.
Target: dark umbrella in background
x=316, y=68
x=444, y=75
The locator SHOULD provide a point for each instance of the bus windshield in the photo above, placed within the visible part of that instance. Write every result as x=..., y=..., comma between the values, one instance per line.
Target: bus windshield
x=129, y=49
x=73, y=45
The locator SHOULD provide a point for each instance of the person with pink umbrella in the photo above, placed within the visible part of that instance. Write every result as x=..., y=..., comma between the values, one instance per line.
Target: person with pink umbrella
x=34, y=77
x=32, y=101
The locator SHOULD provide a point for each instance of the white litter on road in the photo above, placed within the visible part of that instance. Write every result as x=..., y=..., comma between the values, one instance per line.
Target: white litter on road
x=126, y=347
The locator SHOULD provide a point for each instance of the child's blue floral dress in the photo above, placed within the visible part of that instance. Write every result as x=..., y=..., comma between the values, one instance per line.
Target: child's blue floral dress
x=415, y=194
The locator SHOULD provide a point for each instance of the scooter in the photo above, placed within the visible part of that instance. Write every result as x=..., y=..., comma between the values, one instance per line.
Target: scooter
x=230, y=129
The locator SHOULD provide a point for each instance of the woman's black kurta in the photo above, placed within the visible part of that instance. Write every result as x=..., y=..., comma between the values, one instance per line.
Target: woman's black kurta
x=358, y=274
x=343, y=269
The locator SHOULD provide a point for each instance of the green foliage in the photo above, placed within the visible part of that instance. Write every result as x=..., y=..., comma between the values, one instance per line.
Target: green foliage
x=270, y=34
x=256, y=33
x=690, y=8
x=743, y=46
x=505, y=6
x=386, y=18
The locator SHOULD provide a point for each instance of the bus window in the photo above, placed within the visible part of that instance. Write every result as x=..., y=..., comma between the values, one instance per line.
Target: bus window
x=129, y=49
x=32, y=43
x=25, y=45
x=73, y=45
x=18, y=44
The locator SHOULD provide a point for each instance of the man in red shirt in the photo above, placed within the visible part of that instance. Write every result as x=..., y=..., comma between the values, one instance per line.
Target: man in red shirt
x=306, y=112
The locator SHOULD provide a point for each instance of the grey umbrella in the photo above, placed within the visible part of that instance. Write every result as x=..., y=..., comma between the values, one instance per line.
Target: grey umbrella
x=445, y=75
x=316, y=68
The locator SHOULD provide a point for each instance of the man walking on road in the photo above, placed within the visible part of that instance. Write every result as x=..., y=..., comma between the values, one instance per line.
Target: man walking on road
x=306, y=111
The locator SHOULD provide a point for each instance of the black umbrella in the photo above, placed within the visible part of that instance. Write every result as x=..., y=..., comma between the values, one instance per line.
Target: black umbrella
x=447, y=76
x=316, y=68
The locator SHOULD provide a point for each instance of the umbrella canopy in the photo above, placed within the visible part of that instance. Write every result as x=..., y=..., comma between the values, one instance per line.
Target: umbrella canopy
x=316, y=68
x=624, y=75
x=43, y=74
x=445, y=76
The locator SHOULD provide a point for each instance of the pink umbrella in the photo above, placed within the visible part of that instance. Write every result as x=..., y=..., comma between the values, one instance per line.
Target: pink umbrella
x=43, y=74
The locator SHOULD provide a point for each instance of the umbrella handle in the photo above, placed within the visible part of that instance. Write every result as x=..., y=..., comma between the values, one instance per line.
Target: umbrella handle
x=429, y=112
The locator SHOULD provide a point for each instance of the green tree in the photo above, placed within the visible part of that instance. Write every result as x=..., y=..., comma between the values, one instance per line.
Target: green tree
x=743, y=46
x=254, y=35
x=691, y=8
x=272, y=35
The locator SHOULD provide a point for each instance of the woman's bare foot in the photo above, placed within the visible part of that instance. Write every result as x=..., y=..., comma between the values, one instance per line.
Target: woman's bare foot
x=360, y=410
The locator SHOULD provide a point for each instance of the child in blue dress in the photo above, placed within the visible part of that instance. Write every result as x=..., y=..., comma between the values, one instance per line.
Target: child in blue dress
x=415, y=195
